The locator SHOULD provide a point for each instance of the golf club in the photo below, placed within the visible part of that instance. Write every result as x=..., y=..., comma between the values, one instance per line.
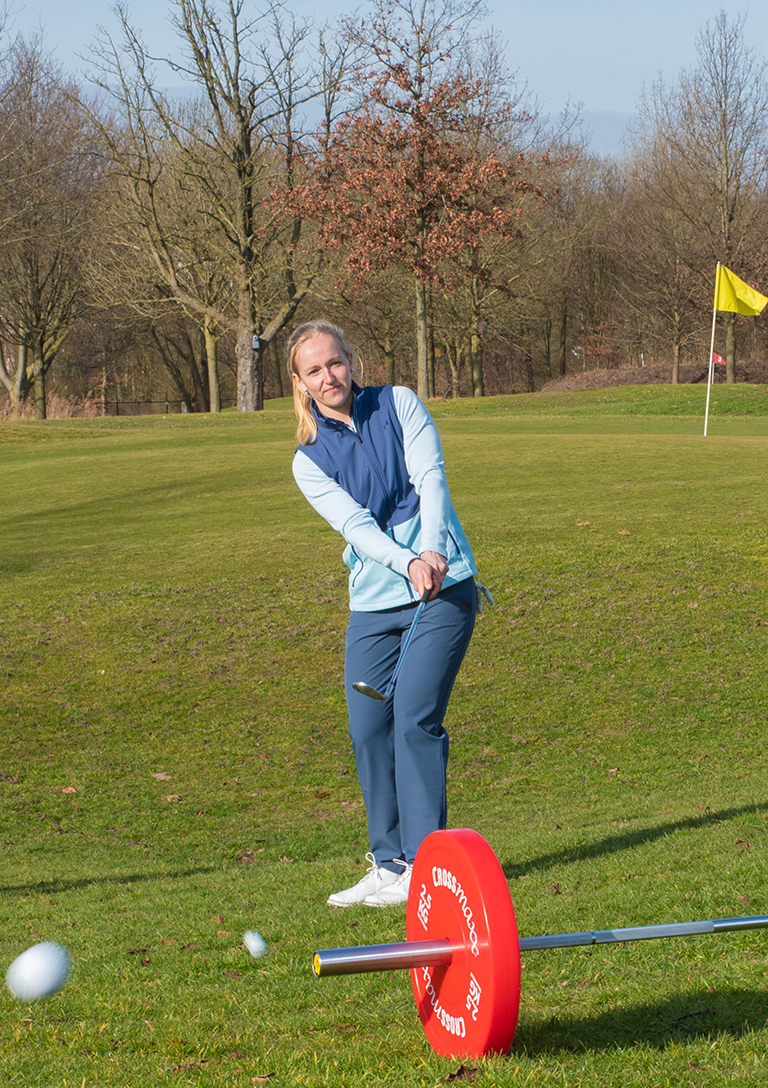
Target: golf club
x=371, y=692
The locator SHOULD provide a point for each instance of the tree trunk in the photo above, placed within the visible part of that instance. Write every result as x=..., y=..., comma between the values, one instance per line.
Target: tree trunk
x=476, y=362
x=675, y=361
x=422, y=342
x=38, y=369
x=563, y=356
x=547, y=331
x=730, y=348
x=676, y=349
x=275, y=369
x=430, y=347
x=202, y=402
x=211, y=355
x=248, y=369
x=389, y=357
x=17, y=384
x=530, y=383
x=454, y=362
x=21, y=386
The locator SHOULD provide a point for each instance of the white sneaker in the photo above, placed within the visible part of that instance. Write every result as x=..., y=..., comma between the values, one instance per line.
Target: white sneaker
x=374, y=881
x=393, y=894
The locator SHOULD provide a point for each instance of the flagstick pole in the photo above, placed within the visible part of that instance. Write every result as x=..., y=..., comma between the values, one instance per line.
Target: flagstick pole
x=712, y=348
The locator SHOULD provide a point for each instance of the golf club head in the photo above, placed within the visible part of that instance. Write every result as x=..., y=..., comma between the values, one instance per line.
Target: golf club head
x=366, y=689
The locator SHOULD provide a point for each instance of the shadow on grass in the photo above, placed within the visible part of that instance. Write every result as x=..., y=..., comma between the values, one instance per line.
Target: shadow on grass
x=679, y=1019
x=627, y=841
x=55, y=887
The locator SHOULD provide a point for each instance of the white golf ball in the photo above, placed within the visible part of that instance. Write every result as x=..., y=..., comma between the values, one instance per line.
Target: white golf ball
x=39, y=972
x=255, y=943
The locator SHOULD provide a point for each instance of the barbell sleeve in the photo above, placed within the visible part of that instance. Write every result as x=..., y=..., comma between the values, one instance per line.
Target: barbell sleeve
x=382, y=957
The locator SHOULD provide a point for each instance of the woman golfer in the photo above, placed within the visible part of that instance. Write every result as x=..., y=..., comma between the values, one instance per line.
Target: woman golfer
x=369, y=461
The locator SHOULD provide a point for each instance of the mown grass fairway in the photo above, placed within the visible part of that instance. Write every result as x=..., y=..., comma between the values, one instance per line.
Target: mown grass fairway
x=174, y=765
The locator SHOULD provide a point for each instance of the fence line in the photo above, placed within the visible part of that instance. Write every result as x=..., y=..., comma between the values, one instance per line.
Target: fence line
x=164, y=407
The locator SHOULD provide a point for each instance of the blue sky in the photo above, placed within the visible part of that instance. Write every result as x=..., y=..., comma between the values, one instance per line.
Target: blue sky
x=595, y=52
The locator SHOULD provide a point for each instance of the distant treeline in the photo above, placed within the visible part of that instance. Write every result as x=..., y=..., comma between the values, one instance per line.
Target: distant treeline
x=388, y=173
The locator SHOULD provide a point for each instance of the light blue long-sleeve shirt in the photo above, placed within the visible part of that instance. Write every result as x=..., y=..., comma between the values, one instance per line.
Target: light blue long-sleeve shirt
x=378, y=560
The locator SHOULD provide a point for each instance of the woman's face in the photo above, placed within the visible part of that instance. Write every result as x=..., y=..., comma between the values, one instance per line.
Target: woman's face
x=324, y=371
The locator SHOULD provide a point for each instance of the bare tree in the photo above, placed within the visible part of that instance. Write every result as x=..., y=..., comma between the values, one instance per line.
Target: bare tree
x=49, y=171
x=704, y=146
x=660, y=291
x=124, y=272
x=224, y=157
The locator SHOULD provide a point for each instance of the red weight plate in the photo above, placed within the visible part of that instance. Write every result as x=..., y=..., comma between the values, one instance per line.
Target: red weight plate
x=458, y=891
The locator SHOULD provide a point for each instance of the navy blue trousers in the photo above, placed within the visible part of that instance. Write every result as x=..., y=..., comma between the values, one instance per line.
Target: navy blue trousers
x=400, y=745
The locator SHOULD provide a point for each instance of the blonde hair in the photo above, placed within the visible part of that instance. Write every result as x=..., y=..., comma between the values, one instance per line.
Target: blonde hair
x=306, y=432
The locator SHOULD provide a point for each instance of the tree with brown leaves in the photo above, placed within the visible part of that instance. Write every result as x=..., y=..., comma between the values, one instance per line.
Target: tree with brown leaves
x=404, y=180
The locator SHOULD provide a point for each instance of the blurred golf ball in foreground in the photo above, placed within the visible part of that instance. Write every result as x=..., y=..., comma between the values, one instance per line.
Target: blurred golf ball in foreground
x=254, y=942
x=39, y=972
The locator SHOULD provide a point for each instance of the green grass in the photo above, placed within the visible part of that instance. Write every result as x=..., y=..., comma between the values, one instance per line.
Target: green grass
x=170, y=606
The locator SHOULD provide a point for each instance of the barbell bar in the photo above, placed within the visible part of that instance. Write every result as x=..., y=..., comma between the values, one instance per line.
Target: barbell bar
x=463, y=949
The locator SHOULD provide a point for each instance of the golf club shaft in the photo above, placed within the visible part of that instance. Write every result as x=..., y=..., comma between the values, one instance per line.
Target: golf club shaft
x=407, y=643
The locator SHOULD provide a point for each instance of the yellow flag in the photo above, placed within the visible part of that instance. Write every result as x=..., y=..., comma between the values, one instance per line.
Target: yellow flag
x=735, y=295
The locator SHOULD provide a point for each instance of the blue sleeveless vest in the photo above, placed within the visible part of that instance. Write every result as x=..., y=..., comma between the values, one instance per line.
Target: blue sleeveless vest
x=369, y=464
